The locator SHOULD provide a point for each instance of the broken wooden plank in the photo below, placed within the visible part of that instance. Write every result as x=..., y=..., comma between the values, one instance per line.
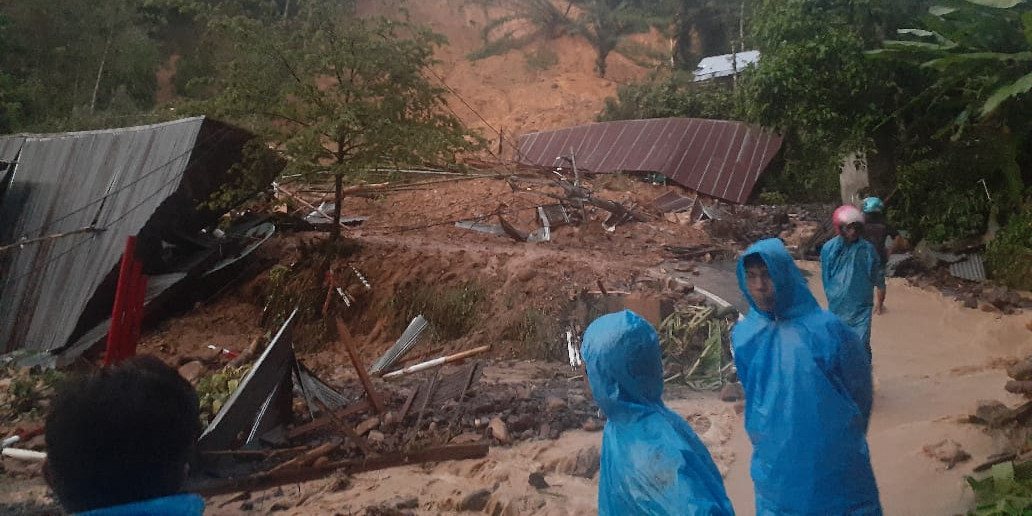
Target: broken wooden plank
x=408, y=403
x=326, y=420
x=307, y=458
x=345, y=337
x=269, y=480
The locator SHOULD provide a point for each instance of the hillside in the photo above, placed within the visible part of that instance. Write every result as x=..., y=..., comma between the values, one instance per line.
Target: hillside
x=503, y=93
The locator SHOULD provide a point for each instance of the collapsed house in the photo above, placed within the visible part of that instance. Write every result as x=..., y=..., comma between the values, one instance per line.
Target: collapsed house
x=69, y=201
x=717, y=158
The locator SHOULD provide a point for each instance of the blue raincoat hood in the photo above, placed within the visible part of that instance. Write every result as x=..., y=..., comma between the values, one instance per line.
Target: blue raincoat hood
x=792, y=297
x=652, y=461
x=807, y=381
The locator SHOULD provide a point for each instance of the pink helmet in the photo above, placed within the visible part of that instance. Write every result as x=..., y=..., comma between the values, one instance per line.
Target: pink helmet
x=844, y=216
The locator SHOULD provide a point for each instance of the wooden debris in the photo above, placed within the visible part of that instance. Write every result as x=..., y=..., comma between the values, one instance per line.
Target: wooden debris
x=326, y=420
x=307, y=458
x=294, y=475
x=499, y=430
x=345, y=338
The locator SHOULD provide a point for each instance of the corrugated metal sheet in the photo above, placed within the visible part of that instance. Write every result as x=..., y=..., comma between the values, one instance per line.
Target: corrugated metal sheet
x=673, y=202
x=111, y=179
x=725, y=65
x=718, y=158
x=971, y=268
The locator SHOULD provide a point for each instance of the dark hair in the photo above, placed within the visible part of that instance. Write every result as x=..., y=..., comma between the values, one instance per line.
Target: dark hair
x=121, y=435
x=754, y=260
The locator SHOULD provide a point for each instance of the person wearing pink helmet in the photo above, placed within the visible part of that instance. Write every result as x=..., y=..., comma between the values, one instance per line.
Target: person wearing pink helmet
x=851, y=269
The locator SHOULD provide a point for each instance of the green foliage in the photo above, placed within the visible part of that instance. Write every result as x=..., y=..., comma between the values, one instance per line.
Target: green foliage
x=670, y=95
x=814, y=82
x=257, y=167
x=452, y=310
x=541, y=59
x=772, y=197
x=214, y=389
x=339, y=93
x=939, y=199
x=536, y=334
x=55, y=68
x=1006, y=491
x=704, y=28
x=1009, y=255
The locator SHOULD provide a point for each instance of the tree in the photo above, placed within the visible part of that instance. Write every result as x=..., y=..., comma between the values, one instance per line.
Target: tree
x=673, y=94
x=977, y=55
x=69, y=59
x=339, y=93
x=814, y=83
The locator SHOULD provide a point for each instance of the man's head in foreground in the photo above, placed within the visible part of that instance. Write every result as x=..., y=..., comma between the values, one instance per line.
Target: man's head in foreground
x=120, y=435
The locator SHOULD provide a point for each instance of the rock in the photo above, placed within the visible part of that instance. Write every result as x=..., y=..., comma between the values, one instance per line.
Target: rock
x=925, y=255
x=553, y=404
x=545, y=431
x=732, y=392
x=367, y=425
x=537, y=481
x=376, y=436
x=499, y=430
x=527, y=434
x=1021, y=370
x=948, y=451
x=390, y=418
x=1019, y=387
x=192, y=371
x=475, y=501
x=968, y=300
x=407, y=503
x=988, y=307
x=992, y=412
x=591, y=425
x=587, y=462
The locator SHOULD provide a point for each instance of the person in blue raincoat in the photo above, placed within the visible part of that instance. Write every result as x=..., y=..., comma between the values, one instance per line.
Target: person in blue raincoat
x=652, y=461
x=807, y=383
x=851, y=270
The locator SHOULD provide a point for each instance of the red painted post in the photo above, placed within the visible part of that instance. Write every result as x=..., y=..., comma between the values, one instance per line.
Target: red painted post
x=136, y=310
x=116, y=334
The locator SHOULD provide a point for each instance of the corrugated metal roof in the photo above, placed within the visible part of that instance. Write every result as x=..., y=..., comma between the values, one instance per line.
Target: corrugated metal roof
x=673, y=202
x=718, y=158
x=725, y=65
x=111, y=179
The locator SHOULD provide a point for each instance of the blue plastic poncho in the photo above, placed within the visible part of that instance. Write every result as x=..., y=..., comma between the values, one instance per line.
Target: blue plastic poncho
x=652, y=461
x=175, y=505
x=807, y=385
x=850, y=272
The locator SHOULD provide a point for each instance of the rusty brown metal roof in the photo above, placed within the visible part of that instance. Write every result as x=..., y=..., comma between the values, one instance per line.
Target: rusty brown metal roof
x=718, y=158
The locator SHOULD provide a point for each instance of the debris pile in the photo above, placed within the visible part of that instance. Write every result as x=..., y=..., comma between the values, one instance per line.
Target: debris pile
x=260, y=436
x=696, y=342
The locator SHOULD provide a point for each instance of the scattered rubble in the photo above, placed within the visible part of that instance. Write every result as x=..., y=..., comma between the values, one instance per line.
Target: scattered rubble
x=947, y=451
